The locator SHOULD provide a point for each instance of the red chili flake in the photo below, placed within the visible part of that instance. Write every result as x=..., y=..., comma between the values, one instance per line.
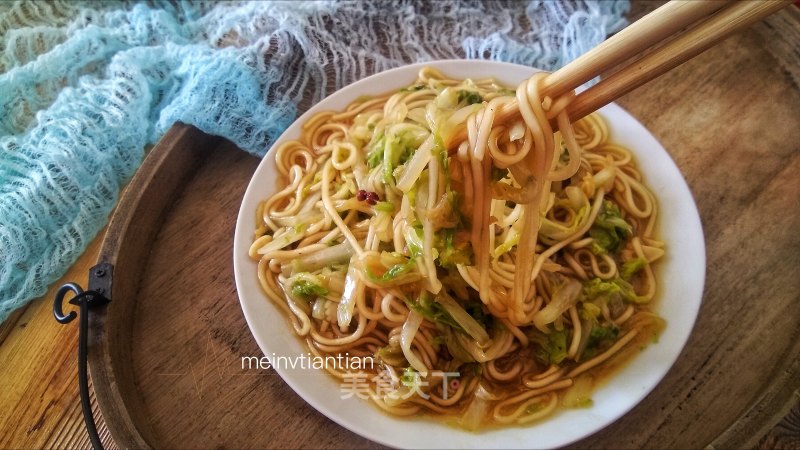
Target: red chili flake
x=454, y=384
x=361, y=195
x=372, y=196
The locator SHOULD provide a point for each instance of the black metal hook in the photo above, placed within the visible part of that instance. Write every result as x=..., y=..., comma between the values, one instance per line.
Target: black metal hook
x=59, y=301
x=100, y=278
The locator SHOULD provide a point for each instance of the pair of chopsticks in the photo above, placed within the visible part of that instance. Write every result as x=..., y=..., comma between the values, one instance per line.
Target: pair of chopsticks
x=672, y=35
x=676, y=32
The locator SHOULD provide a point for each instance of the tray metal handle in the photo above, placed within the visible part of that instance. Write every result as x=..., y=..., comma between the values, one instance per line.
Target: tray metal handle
x=99, y=293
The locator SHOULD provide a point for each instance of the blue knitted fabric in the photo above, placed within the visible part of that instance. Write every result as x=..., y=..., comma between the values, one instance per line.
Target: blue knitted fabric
x=85, y=87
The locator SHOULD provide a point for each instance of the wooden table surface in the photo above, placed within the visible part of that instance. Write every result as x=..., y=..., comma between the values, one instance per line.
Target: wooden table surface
x=730, y=120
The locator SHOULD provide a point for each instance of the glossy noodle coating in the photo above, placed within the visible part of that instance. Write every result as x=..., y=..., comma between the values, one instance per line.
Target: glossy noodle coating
x=492, y=267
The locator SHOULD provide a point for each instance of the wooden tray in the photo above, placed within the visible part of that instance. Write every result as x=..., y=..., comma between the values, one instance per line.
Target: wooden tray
x=165, y=354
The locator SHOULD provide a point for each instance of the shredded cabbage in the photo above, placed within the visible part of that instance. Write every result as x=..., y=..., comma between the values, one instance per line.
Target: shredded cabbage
x=609, y=230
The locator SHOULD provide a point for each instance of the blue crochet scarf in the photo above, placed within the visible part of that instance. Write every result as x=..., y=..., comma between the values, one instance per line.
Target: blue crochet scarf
x=85, y=87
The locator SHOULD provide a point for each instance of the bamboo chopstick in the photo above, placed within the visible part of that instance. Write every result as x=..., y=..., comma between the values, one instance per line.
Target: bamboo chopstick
x=693, y=26
x=632, y=40
x=729, y=20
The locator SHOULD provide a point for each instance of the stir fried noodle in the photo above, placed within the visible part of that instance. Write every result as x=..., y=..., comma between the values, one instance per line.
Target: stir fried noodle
x=491, y=266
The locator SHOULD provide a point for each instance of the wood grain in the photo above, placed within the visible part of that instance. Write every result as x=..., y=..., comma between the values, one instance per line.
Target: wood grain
x=39, y=373
x=729, y=119
x=126, y=247
x=699, y=38
x=785, y=434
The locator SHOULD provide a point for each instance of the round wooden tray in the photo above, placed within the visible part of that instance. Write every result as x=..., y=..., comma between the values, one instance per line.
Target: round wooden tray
x=165, y=354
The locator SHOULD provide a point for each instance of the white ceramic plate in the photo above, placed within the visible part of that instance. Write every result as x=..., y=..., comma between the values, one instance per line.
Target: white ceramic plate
x=681, y=282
